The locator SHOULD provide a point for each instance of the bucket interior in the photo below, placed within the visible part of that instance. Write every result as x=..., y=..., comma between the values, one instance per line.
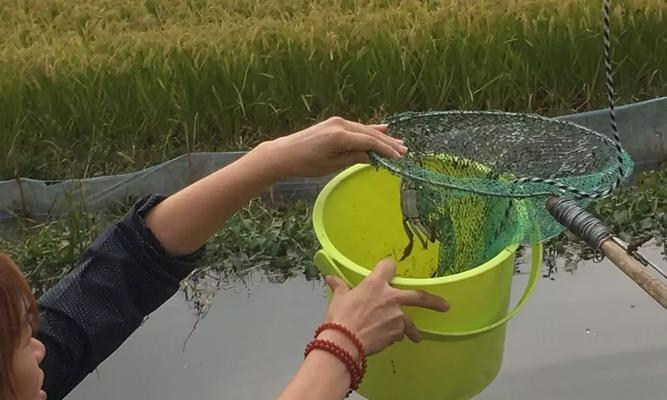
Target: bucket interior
x=365, y=224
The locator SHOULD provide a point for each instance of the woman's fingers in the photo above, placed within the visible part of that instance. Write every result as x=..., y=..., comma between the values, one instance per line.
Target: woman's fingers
x=377, y=134
x=337, y=285
x=384, y=128
x=384, y=270
x=380, y=127
x=411, y=330
x=356, y=142
x=418, y=298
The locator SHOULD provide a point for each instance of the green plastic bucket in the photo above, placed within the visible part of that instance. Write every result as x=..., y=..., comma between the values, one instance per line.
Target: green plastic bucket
x=358, y=221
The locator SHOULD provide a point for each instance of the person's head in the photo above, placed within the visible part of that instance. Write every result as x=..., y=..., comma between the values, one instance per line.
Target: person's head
x=20, y=354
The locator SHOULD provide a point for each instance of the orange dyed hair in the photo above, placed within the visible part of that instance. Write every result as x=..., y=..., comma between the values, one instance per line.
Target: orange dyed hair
x=18, y=311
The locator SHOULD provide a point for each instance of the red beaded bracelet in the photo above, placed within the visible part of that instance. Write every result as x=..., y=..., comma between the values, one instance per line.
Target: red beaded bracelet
x=351, y=336
x=346, y=332
x=343, y=355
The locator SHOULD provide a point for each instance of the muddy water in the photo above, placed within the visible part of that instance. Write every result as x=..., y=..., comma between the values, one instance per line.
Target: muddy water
x=589, y=335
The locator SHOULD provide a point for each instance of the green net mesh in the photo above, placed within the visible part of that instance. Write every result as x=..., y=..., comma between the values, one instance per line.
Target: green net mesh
x=477, y=182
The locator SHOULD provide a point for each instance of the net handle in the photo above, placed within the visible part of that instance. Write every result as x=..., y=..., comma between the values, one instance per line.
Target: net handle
x=329, y=267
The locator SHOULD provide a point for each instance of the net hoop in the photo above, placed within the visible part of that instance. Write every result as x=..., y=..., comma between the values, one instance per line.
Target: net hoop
x=514, y=188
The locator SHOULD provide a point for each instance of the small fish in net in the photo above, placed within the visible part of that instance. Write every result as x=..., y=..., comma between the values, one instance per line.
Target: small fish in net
x=478, y=181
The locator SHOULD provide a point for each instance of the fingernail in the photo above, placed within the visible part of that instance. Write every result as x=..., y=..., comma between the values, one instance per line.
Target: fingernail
x=401, y=141
x=403, y=149
x=396, y=154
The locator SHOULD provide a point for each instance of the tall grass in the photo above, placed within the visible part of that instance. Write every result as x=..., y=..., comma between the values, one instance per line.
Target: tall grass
x=101, y=86
x=280, y=242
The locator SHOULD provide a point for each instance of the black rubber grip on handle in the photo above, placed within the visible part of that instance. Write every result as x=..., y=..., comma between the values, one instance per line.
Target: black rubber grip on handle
x=578, y=221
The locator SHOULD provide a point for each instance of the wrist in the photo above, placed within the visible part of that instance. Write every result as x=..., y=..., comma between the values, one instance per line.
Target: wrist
x=341, y=340
x=348, y=337
x=346, y=346
x=266, y=159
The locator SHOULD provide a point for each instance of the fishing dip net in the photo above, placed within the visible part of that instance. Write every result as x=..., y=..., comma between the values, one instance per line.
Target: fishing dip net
x=478, y=181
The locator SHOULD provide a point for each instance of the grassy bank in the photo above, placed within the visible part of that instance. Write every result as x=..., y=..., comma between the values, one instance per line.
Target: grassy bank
x=260, y=238
x=281, y=242
x=102, y=86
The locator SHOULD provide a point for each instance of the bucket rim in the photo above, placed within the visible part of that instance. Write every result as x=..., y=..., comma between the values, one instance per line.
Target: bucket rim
x=338, y=257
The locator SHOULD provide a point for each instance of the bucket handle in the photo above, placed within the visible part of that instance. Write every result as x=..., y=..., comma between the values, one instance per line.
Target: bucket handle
x=328, y=267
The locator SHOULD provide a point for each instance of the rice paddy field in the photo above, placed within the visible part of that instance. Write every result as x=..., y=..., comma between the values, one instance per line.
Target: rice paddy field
x=99, y=87
x=96, y=87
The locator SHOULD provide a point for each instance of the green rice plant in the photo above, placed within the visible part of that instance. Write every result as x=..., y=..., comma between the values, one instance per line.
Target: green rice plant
x=104, y=86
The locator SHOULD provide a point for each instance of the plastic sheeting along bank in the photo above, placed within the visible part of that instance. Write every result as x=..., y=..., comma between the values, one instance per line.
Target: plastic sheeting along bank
x=643, y=129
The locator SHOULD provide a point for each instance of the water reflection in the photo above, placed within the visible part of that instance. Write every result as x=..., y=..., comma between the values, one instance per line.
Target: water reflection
x=247, y=346
x=559, y=258
x=239, y=333
x=251, y=341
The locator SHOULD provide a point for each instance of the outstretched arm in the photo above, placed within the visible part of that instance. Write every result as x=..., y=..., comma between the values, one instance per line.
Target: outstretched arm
x=136, y=264
x=187, y=219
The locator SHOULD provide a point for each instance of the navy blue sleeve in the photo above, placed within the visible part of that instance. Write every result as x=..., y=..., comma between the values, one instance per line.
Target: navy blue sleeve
x=121, y=278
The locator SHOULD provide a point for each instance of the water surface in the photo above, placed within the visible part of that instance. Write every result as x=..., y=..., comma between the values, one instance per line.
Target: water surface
x=589, y=335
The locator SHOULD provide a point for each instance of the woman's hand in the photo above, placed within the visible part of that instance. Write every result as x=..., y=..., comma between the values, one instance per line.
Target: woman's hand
x=372, y=310
x=329, y=146
x=186, y=220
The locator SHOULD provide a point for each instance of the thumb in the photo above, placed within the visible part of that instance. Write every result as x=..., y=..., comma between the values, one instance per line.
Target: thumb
x=336, y=285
